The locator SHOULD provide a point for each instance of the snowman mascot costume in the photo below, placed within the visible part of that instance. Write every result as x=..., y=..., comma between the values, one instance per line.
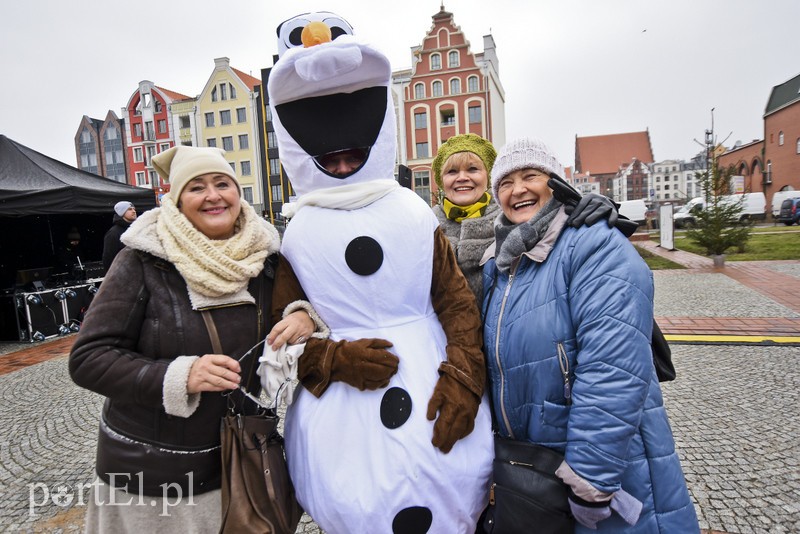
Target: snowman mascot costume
x=390, y=431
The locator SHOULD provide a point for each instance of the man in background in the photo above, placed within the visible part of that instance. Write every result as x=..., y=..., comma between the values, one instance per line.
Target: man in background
x=124, y=215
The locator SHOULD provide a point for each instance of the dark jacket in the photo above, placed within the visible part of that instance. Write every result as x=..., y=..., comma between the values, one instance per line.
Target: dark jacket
x=140, y=321
x=111, y=242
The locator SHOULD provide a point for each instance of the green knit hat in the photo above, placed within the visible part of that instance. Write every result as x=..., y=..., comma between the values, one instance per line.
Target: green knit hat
x=464, y=143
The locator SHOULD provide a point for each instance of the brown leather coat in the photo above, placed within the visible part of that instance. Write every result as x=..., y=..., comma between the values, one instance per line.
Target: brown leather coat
x=139, y=322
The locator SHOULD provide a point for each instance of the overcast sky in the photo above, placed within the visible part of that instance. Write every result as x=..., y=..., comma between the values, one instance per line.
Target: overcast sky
x=568, y=67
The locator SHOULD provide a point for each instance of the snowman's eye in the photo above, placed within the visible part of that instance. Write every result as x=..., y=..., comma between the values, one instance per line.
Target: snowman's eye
x=336, y=31
x=295, y=38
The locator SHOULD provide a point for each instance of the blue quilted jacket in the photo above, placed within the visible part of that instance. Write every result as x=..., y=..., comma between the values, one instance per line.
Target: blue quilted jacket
x=567, y=339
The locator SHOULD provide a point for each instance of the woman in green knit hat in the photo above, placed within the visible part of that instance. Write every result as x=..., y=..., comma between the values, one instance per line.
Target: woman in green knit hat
x=461, y=169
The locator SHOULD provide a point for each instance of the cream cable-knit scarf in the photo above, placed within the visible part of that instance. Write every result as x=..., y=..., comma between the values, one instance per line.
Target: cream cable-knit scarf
x=216, y=271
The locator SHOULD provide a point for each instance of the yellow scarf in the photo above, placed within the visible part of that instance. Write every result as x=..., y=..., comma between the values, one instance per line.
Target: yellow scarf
x=473, y=211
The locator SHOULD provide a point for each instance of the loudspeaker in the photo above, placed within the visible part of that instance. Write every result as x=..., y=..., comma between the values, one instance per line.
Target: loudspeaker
x=77, y=301
x=404, y=176
x=9, y=320
x=40, y=313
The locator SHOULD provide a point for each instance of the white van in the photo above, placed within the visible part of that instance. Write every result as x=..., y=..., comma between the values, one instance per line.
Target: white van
x=754, y=207
x=777, y=199
x=634, y=210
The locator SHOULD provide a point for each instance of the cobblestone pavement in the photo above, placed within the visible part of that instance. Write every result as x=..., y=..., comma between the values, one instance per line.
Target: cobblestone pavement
x=733, y=411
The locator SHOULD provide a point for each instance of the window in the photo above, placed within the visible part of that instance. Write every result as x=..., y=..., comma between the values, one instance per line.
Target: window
x=455, y=86
x=658, y=179
x=111, y=133
x=666, y=196
x=233, y=165
x=138, y=155
x=269, y=113
x=436, y=62
x=158, y=106
x=452, y=59
x=474, y=114
x=422, y=150
x=272, y=141
x=277, y=193
x=149, y=132
x=211, y=141
x=472, y=84
x=214, y=96
x=227, y=143
x=420, y=120
x=233, y=91
x=797, y=148
x=185, y=121
x=151, y=151
x=274, y=166
x=209, y=120
x=137, y=129
x=223, y=91
x=225, y=117
x=153, y=178
x=140, y=179
x=86, y=136
x=419, y=91
x=448, y=117
x=246, y=170
x=780, y=138
x=247, y=193
x=244, y=144
x=241, y=115
x=162, y=126
x=675, y=178
x=437, y=88
x=163, y=146
x=666, y=187
x=422, y=185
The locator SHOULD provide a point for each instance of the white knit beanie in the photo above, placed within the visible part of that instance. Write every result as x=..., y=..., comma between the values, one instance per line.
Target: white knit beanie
x=121, y=207
x=180, y=164
x=524, y=153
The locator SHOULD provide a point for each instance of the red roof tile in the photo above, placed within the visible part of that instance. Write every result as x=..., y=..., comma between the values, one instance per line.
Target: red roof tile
x=172, y=94
x=604, y=154
x=248, y=80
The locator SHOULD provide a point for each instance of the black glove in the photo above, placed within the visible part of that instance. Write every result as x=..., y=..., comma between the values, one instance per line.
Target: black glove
x=590, y=209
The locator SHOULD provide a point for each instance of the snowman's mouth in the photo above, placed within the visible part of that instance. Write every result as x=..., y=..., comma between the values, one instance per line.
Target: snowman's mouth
x=332, y=123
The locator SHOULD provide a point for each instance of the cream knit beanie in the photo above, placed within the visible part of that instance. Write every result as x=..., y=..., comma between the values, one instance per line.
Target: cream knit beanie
x=524, y=153
x=180, y=164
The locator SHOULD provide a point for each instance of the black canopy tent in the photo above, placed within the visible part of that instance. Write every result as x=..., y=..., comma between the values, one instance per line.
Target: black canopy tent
x=42, y=200
x=34, y=184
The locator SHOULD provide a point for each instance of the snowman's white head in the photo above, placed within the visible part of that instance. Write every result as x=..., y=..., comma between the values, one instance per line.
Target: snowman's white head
x=331, y=99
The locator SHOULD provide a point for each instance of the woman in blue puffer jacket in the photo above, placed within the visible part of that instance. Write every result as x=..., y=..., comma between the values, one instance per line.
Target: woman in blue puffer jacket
x=575, y=305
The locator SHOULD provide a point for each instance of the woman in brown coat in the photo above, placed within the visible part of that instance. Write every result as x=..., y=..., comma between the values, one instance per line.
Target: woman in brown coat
x=144, y=345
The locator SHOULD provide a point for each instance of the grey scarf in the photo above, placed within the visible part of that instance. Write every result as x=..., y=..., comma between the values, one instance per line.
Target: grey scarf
x=513, y=240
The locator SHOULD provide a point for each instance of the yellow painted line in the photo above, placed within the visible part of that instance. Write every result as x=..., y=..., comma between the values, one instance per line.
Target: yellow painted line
x=732, y=339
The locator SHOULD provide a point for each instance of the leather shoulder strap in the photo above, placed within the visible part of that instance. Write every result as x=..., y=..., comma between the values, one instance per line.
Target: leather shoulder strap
x=212, y=331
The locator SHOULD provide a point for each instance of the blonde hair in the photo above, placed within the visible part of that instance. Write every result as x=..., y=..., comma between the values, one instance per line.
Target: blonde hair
x=460, y=160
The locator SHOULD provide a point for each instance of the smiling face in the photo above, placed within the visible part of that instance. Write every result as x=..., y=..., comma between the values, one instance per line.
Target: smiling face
x=464, y=178
x=212, y=204
x=522, y=194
